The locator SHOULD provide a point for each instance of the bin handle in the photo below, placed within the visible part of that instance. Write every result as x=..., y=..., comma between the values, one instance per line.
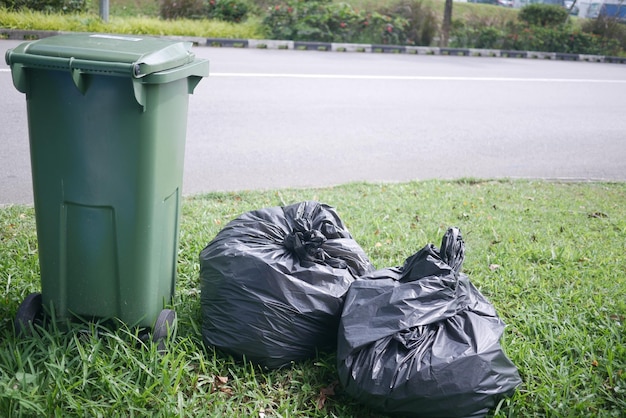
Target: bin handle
x=17, y=72
x=140, y=93
x=193, y=82
x=78, y=76
x=19, y=78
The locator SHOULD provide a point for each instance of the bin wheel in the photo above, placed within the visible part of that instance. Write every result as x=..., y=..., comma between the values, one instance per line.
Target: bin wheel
x=29, y=313
x=164, y=325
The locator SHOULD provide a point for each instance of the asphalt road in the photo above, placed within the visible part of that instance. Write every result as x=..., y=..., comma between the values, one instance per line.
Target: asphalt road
x=269, y=119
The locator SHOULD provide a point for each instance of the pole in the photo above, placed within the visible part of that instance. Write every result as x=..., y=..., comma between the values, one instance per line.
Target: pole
x=104, y=10
x=447, y=22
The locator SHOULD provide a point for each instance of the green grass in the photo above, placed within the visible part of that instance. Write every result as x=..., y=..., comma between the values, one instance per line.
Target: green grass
x=128, y=8
x=549, y=256
x=90, y=22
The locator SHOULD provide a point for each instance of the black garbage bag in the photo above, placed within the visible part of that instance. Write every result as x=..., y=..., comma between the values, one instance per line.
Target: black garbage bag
x=273, y=283
x=421, y=341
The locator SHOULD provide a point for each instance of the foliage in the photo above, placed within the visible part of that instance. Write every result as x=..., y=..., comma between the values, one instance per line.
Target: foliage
x=381, y=28
x=421, y=21
x=128, y=8
x=486, y=37
x=176, y=9
x=540, y=14
x=563, y=39
x=549, y=256
x=310, y=20
x=544, y=27
x=400, y=22
x=279, y=21
x=609, y=29
x=407, y=22
x=227, y=10
x=539, y=28
x=534, y=38
x=480, y=30
x=62, y=6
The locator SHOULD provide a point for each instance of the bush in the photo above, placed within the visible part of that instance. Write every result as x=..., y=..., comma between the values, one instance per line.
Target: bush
x=546, y=15
x=324, y=20
x=62, y=6
x=343, y=22
x=479, y=30
x=280, y=21
x=609, y=30
x=176, y=9
x=563, y=39
x=523, y=36
x=487, y=37
x=312, y=20
x=377, y=28
x=421, y=22
x=307, y=20
x=227, y=10
x=543, y=28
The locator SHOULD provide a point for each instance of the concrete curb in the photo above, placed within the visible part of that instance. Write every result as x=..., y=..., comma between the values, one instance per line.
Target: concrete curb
x=18, y=34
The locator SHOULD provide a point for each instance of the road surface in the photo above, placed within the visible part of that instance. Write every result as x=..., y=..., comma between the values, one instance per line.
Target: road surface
x=268, y=119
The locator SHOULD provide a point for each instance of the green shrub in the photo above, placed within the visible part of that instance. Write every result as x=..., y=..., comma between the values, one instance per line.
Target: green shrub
x=227, y=10
x=610, y=31
x=177, y=9
x=420, y=24
x=547, y=15
x=309, y=20
x=481, y=30
x=379, y=28
x=62, y=6
x=563, y=39
x=313, y=20
x=487, y=37
x=343, y=22
x=408, y=22
x=280, y=21
x=305, y=20
x=522, y=36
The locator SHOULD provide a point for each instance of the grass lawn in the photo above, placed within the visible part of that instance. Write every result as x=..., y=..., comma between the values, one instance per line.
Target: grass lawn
x=549, y=256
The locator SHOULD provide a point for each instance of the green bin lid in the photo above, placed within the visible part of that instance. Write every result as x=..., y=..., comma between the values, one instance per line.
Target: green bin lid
x=136, y=56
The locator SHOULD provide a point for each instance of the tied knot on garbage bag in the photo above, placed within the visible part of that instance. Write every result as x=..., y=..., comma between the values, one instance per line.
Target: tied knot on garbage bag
x=307, y=242
x=421, y=341
x=273, y=282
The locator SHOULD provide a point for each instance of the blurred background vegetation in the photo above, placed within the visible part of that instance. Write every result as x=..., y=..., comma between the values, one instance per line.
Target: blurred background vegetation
x=536, y=27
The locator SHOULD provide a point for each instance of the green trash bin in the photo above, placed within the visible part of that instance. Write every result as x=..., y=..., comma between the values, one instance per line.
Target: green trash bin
x=107, y=120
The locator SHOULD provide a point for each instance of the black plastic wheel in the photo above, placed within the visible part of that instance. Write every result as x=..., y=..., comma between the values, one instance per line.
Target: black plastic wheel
x=164, y=326
x=29, y=313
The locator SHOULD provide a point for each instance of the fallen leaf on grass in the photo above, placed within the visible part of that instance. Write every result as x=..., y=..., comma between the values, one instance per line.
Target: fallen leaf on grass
x=325, y=393
x=598, y=215
x=219, y=383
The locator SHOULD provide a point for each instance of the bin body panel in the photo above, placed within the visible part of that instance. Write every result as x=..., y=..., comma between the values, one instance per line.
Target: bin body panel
x=107, y=179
